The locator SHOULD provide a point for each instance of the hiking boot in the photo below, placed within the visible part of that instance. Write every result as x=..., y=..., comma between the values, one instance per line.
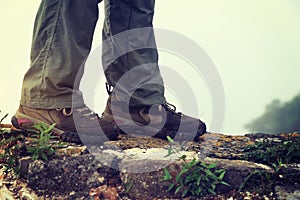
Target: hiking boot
x=156, y=120
x=87, y=123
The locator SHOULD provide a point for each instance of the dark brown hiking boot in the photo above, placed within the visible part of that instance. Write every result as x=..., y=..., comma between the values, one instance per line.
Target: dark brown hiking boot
x=72, y=124
x=158, y=120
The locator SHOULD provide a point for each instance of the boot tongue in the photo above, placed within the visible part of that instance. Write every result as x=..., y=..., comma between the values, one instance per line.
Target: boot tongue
x=154, y=115
x=157, y=115
x=144, y=114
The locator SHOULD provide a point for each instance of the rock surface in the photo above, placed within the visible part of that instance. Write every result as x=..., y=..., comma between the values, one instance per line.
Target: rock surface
x=133, y=166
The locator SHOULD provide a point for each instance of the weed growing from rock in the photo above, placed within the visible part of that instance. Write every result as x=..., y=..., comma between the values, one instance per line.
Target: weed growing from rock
x=128, y=185
x=279, y=154
x=40, y=146
x=195, y=179
x=14, y=145
x=270, y=151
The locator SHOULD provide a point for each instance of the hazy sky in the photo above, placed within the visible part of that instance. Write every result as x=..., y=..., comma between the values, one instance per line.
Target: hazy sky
x=254, y=45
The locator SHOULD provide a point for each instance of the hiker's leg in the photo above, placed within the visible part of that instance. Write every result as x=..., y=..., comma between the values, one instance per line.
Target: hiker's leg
x=62, y=39
x=130, y=63
x=134, y=74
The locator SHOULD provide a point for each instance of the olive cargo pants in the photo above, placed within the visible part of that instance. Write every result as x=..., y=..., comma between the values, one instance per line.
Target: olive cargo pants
x=62, y=39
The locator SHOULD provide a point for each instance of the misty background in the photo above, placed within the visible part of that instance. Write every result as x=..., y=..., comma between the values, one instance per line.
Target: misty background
x=254, y=44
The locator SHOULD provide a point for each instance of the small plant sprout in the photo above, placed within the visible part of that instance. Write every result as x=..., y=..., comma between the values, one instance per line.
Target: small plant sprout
x=40, y=147
x=195, y=178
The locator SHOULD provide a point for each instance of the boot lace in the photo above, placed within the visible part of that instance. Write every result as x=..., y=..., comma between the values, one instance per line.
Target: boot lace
x=172, y=108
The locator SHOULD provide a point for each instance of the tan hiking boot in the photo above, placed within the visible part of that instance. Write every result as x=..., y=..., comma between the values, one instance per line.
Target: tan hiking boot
x=69, y=122
x=161, y=120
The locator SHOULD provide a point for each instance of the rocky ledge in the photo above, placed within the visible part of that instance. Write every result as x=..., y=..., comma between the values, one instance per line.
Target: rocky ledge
x=133, y=168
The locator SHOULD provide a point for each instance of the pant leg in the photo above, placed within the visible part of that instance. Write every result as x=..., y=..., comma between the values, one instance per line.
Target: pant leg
x=62, y=39
x=134, y=74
